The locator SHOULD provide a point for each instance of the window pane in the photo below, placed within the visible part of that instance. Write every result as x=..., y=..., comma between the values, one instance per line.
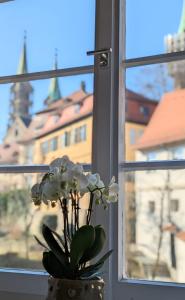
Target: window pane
x=155, y=226
x=67, y=26
x=39, y=124
x=148, y=32
x=155, y=108
x=20, y=220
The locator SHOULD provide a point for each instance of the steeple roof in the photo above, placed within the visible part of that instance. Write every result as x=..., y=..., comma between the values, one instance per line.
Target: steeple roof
x=182, y=21
x=22, y=68
x=54, y=89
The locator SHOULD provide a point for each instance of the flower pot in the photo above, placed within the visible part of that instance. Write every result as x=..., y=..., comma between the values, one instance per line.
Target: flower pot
x=65, y=289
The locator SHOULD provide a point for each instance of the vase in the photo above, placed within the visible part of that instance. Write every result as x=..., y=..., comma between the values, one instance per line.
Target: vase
x=66, y=289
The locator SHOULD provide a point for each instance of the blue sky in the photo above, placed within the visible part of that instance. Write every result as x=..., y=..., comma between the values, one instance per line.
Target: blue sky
x=68, y=25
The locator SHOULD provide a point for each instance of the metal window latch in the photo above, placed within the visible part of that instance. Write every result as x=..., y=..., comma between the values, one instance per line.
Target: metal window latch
x=103, y=56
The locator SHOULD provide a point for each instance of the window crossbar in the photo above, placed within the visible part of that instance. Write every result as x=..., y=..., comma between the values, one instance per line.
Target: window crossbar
x=3, y=1
x=154, y=59
x=47, y=74
x=33, y=168
x=152, y=165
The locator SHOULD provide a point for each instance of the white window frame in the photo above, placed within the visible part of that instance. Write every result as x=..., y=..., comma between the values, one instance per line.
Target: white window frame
x=109, y=95
x=123, y=288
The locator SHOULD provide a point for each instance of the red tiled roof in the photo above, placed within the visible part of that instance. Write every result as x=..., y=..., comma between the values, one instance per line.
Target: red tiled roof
x=67, y=114
x=167, y=124
x=134, y=105
x=72, y=108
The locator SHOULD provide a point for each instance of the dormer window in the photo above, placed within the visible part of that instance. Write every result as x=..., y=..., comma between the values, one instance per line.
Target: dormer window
x=6, y=146
x=77, y=108
x=144, y=110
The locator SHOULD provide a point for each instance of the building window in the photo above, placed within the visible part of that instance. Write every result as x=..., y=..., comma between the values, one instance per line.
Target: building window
x=54, y=144
x=132, y=136
x=174, y=205
x=45, y=147
x=140, y=133
x=66, y=139
x=151, y=156
x=80, y=134
x=151, y=207
x=178, y=153
x=83, y=132
x=77, y=108
x=144, y=110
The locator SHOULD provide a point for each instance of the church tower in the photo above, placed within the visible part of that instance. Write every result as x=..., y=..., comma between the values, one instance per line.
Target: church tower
x=54, y=89
x=21, y=92
x=175, y=43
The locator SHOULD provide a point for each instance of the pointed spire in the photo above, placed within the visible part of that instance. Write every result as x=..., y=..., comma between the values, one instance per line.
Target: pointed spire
x=182, y=21
x=22, y=68
x=54, y=89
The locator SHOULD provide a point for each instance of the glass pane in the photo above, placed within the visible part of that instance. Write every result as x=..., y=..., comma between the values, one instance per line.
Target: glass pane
x=45, y=119
x=20, y=220
x=67, y=26
x=155, y=225
x=155, y=107
x=154, y=27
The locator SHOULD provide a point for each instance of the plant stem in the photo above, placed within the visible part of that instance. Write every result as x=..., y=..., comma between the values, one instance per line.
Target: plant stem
x=63, y=206
x=89, y=214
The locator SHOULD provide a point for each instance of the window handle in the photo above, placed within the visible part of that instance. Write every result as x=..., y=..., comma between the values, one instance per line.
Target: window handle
x=103, y=56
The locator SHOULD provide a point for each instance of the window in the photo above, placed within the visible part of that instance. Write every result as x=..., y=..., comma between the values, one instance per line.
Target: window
x=67, y=138
x=45, y=147
x=80, y=134
x=153, y=80
x=174, y=205
x=54, y=144
x=178, y=153
x=23, y=83
x=151, y=156
x=151, y=207
x=132, y=136
x=109, y=13
x=144, y=110
x=83, y=132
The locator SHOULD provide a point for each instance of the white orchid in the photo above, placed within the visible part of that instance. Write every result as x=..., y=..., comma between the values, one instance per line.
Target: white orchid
x=62, y=163
x=113, y=191
x=95, y=182
x=65, y=177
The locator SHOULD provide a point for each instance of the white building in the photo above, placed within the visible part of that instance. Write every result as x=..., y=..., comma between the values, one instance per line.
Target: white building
x=160, y=195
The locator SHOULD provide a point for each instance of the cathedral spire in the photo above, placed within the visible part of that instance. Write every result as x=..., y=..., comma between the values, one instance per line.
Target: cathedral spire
x=182, y=21
x=21, y=92
x=54, y=89
x=22, y=68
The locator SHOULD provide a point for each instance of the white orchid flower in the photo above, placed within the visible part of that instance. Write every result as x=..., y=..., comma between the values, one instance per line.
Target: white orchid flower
x=113, y=191
x=95, y=182
x=62, y=163
x=50, y=191
x=75, y=178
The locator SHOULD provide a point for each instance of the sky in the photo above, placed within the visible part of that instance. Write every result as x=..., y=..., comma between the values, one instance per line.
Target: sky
x=68, y=25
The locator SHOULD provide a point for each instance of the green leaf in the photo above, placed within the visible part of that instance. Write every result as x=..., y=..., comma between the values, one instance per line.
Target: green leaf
x=59, y=238
x=54, y=246
x=97, y=246
x=53, y=265
x=81, y=241
x=41, y=243
x=91, y=270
